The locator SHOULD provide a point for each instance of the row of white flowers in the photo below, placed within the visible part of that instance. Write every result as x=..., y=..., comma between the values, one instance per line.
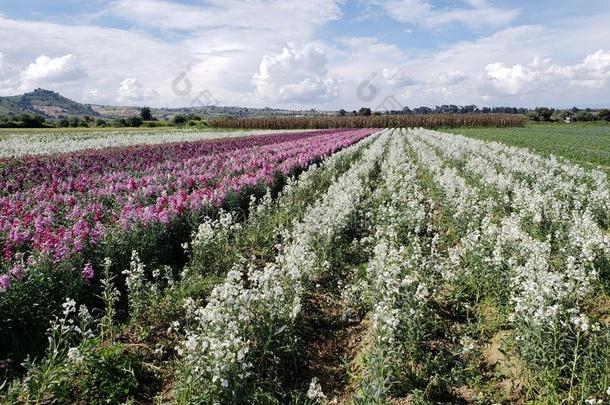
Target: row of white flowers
x=534, y=237
x=47, y=143
x=396, y=285
x=548, y=188
x=252, y=313
x=566, y=199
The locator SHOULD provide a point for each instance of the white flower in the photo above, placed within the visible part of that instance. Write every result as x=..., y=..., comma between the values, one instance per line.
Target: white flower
x=75, y=356
x=69, y=307
x=468, y=344
x=315, y=392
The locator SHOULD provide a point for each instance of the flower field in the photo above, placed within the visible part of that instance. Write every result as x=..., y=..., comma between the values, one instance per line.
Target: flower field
x=352, y=266
x=45, y=143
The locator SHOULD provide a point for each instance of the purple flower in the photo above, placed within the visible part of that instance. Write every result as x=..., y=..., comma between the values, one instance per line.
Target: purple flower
x=5, y=282
x=87, y=272
x=17, y=272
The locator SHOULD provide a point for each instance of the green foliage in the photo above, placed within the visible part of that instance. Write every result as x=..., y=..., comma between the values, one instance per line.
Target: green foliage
x=25, y=120
x=364, y=111
x=179, y=119
x=541, y=114
x=586, y=144
x=107, y=375
x=135, y=121
x=23, y=326
x=146, y=114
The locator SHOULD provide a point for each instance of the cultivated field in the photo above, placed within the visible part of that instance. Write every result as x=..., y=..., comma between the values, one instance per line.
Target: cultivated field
x=51, y=141
x=587, y=144
x=403, y=266
x=374, y=121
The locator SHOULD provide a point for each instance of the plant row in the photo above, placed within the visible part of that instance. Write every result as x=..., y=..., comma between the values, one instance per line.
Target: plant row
x=526, y=263
x=62, y=215
x=49, y=143
x=374, y=121
x=86, y=351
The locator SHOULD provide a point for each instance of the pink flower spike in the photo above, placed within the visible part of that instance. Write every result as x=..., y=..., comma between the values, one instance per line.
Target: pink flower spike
x=5, y=282
x=17, y=272
x=87, y=273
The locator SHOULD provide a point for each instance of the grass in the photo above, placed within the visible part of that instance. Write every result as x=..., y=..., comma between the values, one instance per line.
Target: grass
x=587, y=144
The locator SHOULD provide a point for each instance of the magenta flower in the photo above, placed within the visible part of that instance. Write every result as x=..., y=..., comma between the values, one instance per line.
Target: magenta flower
x=5, y=282
x=87, y=273
x=56, y=206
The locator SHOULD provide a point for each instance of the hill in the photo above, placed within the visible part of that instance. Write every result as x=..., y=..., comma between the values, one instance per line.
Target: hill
x=46, y=103
x=51, y=104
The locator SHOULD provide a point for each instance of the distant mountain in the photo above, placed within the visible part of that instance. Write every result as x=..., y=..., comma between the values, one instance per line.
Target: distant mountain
x=46, y=103
x=206, y=111
x=51, y=104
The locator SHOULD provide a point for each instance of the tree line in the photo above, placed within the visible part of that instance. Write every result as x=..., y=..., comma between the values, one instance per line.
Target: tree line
x=143, y=119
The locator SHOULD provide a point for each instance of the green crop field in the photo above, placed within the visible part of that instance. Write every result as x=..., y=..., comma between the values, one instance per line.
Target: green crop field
x=585, y=143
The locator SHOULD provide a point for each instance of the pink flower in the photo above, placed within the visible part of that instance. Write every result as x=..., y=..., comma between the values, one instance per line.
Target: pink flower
x=17, y=272
x=57, y=206
x=87, y=272
x=5, y=282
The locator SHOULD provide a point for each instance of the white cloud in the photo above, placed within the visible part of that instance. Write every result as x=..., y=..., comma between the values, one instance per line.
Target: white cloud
x=4, y=82
x=451, y=77
x=106, y=57
x=593, y=73
x=264, y=15
x=132, y=90
x=595, y=70
x=396, y=77
x=236, y=51
x=48, y=71
x=295, y=75
x=474, y=13
x=513, y=79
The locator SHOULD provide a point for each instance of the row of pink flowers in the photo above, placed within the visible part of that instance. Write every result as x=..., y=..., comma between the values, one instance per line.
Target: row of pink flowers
x=54, y=206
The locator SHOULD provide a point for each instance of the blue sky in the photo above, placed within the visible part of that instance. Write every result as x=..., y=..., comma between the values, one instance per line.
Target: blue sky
x=309, y=54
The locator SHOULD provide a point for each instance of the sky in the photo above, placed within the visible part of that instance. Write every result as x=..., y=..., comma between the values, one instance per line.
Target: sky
x=323, y=54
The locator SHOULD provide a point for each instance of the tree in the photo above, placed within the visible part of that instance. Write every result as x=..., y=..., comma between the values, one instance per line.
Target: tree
x=365, y=111
x=63, y=122
x=342, y=112
x=31, y=120
x=146, y=114
x=74, y=121
x=135, y=121
x=541, y=114
x=604, y=115
x=583, y=116
x=179, y=119
x=100, y=122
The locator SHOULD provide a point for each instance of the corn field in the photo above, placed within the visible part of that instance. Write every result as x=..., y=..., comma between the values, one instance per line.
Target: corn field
x=374, y=121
